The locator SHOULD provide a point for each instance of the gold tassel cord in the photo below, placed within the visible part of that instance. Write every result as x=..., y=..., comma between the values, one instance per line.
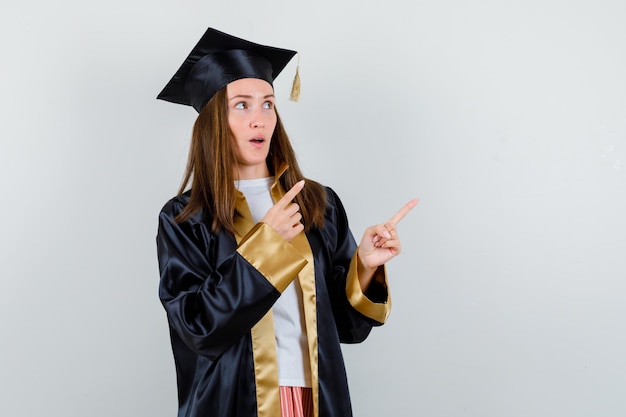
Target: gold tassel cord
x=295, y=87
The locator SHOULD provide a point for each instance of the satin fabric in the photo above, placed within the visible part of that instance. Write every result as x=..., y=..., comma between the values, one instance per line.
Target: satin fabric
x=213, y=297
x=218, y=59
x=216, y=70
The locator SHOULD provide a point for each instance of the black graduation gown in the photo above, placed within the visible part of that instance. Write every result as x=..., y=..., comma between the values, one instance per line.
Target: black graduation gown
x=218, y=290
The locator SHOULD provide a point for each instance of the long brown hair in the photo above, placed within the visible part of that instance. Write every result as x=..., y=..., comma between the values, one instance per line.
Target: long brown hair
x=210, y=169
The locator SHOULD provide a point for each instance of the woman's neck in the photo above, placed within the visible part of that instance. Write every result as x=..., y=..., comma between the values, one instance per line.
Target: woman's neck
x=251, y=172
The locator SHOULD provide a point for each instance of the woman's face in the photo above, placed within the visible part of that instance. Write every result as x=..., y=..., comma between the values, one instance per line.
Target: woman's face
x=252, y=119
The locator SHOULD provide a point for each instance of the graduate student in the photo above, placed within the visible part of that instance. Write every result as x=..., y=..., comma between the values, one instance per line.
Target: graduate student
x=260, y=275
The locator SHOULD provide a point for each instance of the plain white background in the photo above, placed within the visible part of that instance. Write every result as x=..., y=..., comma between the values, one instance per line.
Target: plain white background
x=507, y=119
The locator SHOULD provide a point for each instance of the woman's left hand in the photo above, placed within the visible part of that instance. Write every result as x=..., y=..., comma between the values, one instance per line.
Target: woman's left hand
x=381, y=243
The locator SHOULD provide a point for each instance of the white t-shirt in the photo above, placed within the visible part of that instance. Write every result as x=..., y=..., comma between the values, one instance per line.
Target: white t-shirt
x=292, y=350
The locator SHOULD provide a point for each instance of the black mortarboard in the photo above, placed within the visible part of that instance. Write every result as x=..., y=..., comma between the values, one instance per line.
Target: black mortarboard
x=218, y=59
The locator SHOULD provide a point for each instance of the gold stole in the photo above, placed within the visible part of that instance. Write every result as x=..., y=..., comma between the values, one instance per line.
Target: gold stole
x=263, y=339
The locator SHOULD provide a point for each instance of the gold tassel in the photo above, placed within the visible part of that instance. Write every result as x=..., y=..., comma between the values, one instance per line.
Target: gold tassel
x=295, y=87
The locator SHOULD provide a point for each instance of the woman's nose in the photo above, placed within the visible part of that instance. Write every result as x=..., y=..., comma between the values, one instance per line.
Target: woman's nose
x=257, y=123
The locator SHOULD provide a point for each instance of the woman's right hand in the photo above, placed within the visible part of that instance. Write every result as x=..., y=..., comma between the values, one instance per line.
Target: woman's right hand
x=284, y=217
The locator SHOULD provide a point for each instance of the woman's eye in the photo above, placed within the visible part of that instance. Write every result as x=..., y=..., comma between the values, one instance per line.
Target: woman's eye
x=268, y=105
x=240, y=106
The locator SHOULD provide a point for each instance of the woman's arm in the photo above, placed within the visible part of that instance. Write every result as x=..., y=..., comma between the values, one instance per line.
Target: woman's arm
x=209, y=304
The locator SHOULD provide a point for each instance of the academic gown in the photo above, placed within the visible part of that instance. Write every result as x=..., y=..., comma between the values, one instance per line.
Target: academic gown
x=218, y=290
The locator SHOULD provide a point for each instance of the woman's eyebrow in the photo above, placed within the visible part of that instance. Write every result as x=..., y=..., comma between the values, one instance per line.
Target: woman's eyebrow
x=248, y=96
x=239, y=96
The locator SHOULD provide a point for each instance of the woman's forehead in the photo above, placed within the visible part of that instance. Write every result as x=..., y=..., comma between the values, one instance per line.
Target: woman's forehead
x=249, y=86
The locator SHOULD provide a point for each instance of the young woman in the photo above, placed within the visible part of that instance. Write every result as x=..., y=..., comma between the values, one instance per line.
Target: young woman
x=261, y=278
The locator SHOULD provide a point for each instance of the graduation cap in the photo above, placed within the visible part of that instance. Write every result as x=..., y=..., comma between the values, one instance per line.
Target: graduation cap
x=218, y=59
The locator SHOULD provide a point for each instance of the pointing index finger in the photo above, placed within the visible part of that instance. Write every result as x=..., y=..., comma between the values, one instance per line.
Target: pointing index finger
x=403, y=211
x=292, y=193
